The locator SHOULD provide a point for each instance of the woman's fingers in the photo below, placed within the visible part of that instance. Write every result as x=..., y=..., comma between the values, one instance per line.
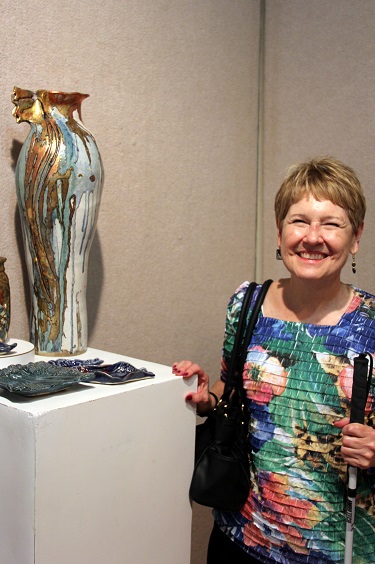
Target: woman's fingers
x=187, y=369
x=341, y=423
x=179, y=368
x=358, y=445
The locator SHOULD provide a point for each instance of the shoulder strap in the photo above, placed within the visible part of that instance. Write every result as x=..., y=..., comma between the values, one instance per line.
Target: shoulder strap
x=252, y=321
x=240, y=344
x=239, y=333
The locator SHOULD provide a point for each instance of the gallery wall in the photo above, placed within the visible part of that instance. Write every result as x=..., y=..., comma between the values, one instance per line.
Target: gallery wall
x=172, y=106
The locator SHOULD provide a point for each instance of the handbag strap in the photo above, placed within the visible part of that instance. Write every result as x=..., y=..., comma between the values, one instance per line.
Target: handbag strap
x=252, y=321
x=239, y=352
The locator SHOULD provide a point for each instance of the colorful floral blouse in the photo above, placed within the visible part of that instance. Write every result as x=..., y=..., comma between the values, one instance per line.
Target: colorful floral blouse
x=298, y=379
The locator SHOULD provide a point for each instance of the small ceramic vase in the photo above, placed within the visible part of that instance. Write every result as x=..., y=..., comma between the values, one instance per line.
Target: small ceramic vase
x=59, y=180
x=4, y=302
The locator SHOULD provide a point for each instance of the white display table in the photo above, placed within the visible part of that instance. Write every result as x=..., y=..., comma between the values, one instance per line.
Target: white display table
x=98, y=474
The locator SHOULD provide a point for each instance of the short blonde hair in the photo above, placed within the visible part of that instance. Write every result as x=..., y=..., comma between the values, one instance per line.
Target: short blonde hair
x=324, y=179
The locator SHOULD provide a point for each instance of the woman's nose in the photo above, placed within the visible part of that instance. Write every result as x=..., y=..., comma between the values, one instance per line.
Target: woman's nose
x=313, y=233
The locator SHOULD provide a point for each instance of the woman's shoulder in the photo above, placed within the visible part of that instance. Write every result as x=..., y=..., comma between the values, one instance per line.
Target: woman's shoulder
x=363, y=302
x=362, y=293
x=237, y=297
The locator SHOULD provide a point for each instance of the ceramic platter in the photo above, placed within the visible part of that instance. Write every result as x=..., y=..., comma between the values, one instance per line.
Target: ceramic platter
x=75, y=362
x=101, y=377
x=98, y=373
x=39, y=378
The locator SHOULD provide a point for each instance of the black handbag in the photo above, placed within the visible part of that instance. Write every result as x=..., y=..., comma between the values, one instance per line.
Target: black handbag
x=221, y=476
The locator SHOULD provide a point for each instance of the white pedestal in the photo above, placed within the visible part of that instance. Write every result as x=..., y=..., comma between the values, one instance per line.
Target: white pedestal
x=98, y=474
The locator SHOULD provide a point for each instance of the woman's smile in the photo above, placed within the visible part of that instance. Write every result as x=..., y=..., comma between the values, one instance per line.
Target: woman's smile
x=311, y=256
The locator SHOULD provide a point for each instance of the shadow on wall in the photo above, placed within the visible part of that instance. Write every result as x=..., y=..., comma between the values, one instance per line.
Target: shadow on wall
x=14, y=153
x=95, y=279
x=21, y=252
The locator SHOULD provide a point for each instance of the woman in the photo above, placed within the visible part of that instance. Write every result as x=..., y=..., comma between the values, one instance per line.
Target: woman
x=298, y=379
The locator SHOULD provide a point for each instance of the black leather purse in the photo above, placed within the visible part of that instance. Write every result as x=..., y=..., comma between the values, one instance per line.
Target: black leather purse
x=221, y=476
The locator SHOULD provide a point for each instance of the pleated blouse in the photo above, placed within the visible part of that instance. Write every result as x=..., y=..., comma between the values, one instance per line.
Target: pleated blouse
x=298, y=380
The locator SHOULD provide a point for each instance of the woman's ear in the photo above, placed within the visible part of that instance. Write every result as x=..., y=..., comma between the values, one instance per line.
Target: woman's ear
x=357, y=238
x=278, y=234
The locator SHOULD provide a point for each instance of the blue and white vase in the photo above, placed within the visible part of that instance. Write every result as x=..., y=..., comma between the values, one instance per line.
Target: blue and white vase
x=59, y=179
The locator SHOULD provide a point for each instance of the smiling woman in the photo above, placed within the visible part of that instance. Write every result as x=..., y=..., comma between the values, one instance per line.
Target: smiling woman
x=298, y=377
x=320, y=210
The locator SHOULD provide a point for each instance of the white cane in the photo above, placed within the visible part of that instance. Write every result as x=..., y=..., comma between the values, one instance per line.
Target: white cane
x=360, y=390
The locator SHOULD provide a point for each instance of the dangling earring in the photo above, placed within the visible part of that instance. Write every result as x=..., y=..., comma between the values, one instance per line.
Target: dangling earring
x=278, y=254
x=354, y=264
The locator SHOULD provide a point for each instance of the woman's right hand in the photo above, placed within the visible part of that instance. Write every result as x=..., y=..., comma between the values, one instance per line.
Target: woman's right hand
x=201, y=398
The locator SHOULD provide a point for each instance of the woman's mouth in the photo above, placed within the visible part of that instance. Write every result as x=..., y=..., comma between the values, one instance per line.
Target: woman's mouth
x=312, y=256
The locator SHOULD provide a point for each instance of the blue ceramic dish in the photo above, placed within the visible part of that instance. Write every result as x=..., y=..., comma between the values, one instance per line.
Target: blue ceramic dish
x=75, y=362
x=5, y=349
x=118, y=373
x=38, y=378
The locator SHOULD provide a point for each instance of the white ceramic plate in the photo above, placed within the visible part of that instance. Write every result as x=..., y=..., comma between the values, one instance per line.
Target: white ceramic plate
x=23, y=353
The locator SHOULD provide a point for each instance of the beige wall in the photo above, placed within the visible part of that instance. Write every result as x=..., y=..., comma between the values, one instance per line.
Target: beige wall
x=172, y=85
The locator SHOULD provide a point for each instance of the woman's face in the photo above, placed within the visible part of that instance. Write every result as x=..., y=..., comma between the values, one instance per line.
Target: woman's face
x=316, y=239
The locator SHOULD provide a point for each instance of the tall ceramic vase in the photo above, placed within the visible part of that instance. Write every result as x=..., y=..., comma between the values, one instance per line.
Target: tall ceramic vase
x=59, y=180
